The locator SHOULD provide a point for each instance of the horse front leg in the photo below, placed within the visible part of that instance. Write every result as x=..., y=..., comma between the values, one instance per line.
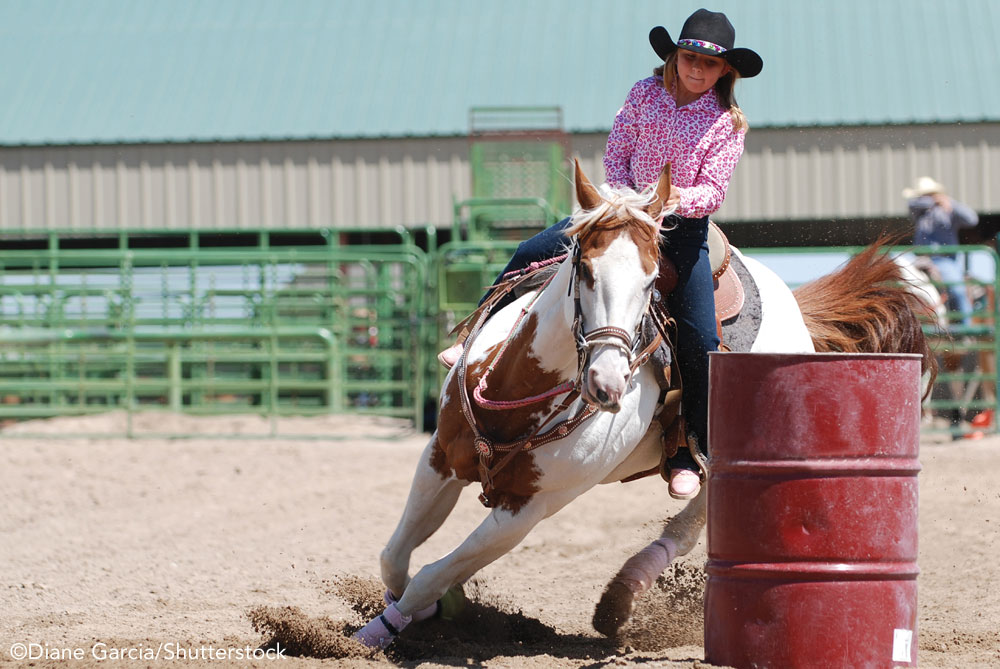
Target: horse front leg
x=637, y=575
x=432, y=498
x=500, y=532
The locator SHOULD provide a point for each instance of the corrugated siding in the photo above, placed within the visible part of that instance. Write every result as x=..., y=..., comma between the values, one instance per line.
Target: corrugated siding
x=128, y=71
x=361, y=183
x=784, y=174
x=842, y=173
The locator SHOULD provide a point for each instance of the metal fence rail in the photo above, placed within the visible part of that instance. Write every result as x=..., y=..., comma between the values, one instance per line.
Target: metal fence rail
x=275, y=331
x=281, y=330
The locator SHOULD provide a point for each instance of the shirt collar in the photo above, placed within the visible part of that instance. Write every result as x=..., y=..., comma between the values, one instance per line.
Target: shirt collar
x=709, y=101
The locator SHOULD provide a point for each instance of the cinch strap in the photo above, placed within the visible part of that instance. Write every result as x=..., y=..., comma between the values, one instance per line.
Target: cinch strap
x=701, y=43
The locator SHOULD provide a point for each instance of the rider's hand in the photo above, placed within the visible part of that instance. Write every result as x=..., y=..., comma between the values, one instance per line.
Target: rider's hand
x=674, y=198
x=940, y=199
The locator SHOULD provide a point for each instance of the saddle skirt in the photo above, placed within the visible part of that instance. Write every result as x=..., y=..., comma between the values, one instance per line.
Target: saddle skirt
x=729, y=295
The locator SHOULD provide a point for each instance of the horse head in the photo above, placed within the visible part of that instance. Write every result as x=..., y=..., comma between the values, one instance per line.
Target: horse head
x=616, y=259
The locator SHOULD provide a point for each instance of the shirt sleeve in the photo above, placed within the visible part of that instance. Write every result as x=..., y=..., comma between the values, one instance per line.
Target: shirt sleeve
x=705, y=195
x=920, y=204
x=963, y=216
x=621, y=142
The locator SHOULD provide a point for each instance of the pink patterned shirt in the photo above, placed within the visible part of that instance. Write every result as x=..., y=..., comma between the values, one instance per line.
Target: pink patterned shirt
x=697, y=139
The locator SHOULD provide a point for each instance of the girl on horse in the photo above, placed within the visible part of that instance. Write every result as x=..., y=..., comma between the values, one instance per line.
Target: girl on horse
x=686, y=115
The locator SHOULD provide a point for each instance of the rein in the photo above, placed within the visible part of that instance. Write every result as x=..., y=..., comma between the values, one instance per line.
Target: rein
x=485, y=447
x=500, y=405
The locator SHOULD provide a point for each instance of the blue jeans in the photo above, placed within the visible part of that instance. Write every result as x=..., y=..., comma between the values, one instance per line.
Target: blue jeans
x=692, y=305
x=953, y=276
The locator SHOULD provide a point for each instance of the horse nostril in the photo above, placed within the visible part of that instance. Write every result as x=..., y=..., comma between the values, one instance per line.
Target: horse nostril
x=602, y=396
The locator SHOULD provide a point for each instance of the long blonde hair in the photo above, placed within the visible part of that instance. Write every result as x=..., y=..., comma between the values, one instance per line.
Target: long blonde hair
x=725, y=89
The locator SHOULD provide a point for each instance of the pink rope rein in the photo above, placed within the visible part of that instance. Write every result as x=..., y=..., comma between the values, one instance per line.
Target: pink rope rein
x=500, y=405
x=534, y=266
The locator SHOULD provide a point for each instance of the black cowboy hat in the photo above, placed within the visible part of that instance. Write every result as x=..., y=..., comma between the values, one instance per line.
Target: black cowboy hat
x=712, y=34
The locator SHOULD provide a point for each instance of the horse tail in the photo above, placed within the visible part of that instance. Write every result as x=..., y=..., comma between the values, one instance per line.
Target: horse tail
x=867, y=306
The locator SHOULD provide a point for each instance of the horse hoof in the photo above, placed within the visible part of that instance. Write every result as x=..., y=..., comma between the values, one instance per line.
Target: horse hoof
x=375, y=634
x=418, y=616
x=614, y=609
x=452, y=602
x=382, y=629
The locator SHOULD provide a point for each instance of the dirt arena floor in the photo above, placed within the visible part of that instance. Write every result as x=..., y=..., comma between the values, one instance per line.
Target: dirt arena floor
x=220, y=545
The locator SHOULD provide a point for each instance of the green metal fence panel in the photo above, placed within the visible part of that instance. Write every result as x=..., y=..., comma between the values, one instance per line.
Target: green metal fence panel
x=490, y=219
x=281, y=329
x=464, y=272
x=275, y=331
x=518, y=152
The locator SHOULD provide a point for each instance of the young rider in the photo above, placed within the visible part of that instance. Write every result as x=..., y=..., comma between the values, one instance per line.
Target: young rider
x=685, y=115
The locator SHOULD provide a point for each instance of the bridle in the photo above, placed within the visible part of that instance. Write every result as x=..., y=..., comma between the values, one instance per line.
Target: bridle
x=607, y=335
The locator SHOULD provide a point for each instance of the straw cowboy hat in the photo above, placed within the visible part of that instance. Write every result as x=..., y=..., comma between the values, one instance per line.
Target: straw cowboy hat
x=923, y=186
x=712, y=34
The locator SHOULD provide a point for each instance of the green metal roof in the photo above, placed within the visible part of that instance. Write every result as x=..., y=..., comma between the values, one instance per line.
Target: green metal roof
x=124, y=71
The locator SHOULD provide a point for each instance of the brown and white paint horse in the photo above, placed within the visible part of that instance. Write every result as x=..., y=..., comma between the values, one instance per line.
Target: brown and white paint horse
x=549, y=400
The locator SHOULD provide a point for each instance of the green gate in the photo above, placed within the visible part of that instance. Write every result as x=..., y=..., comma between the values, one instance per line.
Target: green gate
x=279, y=328
x=202, y=329
x=521, y=176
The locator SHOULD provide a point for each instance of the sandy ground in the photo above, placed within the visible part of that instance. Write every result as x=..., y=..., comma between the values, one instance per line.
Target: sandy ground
x=180, y=545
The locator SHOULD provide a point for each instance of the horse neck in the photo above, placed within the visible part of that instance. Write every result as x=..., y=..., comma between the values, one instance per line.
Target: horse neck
x=553, y=340
x=545, y=334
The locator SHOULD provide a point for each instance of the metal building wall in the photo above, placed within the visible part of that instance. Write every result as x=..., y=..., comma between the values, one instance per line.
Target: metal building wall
x=852, y=172
x=784, y=174
x=344, y=184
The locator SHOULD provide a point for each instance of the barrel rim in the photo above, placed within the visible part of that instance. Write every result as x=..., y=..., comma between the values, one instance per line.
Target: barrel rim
x=798, y=570
x=827, y=355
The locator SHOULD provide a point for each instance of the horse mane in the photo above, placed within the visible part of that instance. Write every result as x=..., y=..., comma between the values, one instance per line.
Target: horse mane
x=867, y=306
x=621, y=207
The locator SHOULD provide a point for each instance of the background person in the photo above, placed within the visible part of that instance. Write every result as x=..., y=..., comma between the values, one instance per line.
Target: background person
x=937, y=218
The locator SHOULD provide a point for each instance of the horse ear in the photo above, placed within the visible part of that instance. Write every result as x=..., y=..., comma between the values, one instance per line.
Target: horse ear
x=662, y=193
x=586, y=194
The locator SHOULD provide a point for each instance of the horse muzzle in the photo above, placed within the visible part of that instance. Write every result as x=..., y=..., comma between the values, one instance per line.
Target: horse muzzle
x=602, y=401
x=606, y=380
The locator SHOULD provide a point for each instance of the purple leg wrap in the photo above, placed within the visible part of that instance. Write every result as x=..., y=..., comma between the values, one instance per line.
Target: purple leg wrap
x=422, y=614
x=382, y=629
x=642, y=569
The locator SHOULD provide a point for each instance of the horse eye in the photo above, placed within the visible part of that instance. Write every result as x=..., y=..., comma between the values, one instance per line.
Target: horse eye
x=586, y=273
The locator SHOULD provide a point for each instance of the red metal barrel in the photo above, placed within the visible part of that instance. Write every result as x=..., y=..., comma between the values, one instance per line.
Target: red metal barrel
x=812, y=510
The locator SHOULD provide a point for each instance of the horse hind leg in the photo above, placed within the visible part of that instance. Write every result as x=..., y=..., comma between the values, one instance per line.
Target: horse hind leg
x=432, y=498
x=637, y=575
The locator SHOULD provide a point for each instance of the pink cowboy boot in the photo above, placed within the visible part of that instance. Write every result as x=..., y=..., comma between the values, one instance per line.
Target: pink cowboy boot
x=450, y=355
